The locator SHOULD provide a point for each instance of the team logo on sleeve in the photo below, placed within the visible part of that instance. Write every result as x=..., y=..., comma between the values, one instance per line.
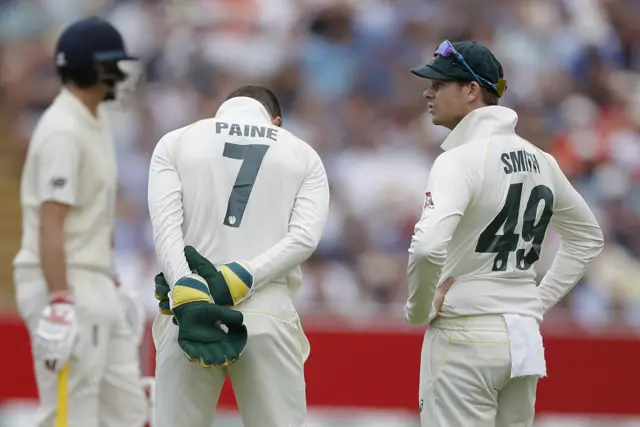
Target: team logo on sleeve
x=58, y=182
x=428, y=200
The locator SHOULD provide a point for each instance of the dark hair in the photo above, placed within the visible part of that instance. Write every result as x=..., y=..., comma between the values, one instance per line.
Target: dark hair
x=82, y=77
x=489, y=97
x=87, y=76
x=261, y=94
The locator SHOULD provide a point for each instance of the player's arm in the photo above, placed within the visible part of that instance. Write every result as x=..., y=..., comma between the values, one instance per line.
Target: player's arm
x=234, y=282
x=58, y=159
x=452, y=186
x=306, y=225
x=581, y=241
x=190, y=298
x=166, y=210
x=51, y=242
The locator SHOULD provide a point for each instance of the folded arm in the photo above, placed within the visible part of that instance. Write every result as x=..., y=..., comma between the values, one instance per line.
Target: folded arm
x=306, y=225
x=165, y=208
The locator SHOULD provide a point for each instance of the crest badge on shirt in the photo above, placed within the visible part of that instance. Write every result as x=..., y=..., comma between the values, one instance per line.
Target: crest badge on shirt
x=428, y=200
x=58, y=182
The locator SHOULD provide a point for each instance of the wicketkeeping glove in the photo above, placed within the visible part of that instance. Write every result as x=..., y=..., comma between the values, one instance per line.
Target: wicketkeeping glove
x=229, y=283
x=207, y=333
x=162, y=291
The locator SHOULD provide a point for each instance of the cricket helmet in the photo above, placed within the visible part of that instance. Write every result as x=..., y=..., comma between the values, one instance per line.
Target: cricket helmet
x=83, y=45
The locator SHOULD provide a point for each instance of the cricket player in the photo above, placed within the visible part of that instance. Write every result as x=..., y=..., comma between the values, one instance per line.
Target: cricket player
x=252, y=198
x=85, y=353
x=490, y=199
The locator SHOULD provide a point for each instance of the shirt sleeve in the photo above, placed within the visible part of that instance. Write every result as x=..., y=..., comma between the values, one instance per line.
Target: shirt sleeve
x=166, y=211
x=58, y=160
x=581, y=241
x=306, y=226
x=452, y=186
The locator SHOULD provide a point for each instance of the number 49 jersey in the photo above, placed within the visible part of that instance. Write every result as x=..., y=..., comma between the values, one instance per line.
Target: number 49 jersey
x=234, y=187
x=490, y=201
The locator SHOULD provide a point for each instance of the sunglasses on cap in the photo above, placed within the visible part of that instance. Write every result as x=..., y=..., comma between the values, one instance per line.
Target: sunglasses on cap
x=446, y=50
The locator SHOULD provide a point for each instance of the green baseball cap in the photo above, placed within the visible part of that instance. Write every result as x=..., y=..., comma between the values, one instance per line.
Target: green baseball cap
x=465, y=61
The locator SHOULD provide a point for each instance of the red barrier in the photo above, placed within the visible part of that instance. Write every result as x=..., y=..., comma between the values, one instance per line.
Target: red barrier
x=592, y=374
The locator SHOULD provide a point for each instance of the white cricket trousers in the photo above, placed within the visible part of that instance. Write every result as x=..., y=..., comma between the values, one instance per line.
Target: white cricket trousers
x=103, y=388
x=268, y=379
x=465, y=376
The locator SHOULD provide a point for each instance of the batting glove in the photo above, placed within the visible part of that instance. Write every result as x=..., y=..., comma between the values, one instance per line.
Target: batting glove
x=207, y=333
x=56, y=334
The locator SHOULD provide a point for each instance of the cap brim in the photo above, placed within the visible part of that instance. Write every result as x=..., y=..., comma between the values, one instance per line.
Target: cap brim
x=429, y=72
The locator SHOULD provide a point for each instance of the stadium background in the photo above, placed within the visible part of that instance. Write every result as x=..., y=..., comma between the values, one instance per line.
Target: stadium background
x=340, y=69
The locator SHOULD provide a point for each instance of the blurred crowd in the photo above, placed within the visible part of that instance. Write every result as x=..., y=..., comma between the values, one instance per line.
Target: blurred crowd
x=340, y=69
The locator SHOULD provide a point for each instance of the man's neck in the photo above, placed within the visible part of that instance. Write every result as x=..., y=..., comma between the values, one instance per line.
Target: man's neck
x=469, y=110
x=89, y=97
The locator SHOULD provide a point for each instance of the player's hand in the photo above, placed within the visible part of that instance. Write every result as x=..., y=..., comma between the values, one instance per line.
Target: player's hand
x=207, y=333
x=162, y=291
x=441, y=292
x=56, y=334
x=229, y=283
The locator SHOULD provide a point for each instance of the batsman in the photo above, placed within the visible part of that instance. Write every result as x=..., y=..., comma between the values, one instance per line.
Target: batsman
x=85, y=351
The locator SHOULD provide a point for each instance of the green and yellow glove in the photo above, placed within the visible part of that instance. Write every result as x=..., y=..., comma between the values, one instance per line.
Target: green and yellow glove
x=207, y=333
x=162, y=290
x=229, y=283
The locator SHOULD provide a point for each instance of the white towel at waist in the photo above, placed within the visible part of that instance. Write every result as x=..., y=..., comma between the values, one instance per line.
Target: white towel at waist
x=527, y=351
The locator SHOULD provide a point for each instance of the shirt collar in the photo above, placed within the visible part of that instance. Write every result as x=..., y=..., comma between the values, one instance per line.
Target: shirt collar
x=80, y=110
x=243, y=109
x=482, y=122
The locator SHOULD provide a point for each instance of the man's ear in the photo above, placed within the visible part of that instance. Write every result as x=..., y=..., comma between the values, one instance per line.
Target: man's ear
x=475, y=90
x=277, y=121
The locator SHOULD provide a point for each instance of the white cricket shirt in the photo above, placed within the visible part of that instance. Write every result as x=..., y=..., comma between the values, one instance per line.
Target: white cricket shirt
x=237, y=188
x=490, y=199
x=71, y=160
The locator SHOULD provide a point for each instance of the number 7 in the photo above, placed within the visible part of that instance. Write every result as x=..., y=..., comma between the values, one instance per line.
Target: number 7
x=251, y=156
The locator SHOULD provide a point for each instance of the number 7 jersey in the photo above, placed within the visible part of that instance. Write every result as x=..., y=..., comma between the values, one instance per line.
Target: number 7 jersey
x=237, y=188
x=490, y=201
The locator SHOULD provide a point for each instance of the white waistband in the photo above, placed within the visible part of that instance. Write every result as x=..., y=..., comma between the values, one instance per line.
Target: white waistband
x=489, y=322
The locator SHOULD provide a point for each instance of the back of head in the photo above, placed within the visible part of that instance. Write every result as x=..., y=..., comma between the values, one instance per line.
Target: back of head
x=261, y=94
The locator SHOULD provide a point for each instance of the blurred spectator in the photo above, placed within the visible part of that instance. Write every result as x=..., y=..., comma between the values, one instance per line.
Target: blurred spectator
x=340, y=68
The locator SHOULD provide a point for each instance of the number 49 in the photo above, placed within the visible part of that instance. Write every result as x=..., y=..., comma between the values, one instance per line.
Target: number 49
x=503, y=244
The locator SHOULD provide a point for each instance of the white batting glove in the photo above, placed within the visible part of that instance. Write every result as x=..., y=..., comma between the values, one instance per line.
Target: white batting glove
x=56, y=334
